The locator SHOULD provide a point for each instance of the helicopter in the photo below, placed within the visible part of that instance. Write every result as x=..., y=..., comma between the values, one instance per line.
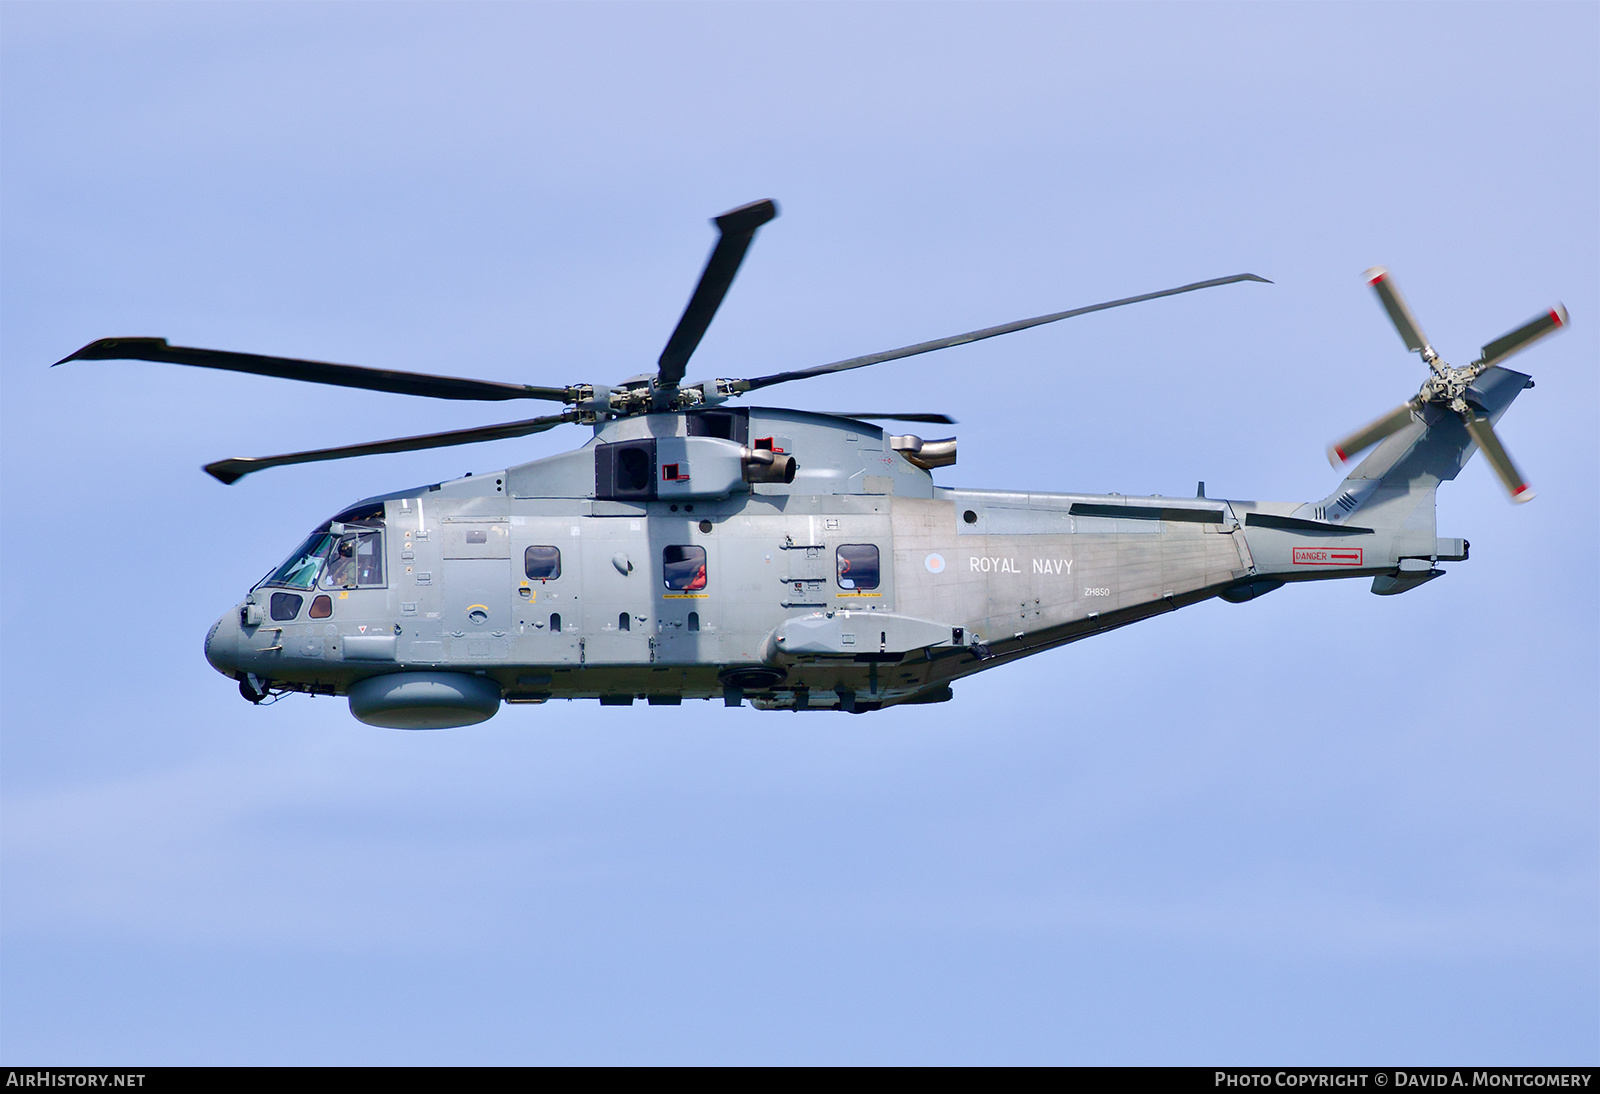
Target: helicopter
x=695, y=548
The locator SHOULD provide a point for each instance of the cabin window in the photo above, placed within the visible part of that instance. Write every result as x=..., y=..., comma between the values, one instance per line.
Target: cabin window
x=285, y=606
x=542, y=563
x=858, y=566
x=355, y=561
x=321, y=607
x=684, y=568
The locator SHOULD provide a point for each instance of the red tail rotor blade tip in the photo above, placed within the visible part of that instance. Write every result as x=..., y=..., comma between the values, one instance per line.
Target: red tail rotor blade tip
x=1376, y=274
x=1559, y=314
x=1522, y=493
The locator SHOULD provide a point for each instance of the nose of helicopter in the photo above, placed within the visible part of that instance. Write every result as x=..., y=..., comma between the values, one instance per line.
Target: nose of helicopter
x=222, y=644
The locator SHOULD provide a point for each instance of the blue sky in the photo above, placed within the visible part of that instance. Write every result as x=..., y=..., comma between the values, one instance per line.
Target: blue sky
x=1324, y=827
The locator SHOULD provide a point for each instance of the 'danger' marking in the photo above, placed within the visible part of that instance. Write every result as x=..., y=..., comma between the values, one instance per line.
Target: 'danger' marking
x=1334, y=556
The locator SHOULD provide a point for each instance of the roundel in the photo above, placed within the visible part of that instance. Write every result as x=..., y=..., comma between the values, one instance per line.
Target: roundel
x=934, y=563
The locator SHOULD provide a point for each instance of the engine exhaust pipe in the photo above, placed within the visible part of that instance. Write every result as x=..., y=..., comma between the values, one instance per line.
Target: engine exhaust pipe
x=763, y=465
x=925, y=454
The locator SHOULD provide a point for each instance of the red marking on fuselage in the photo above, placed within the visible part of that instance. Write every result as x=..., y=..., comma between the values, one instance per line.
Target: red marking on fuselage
x=1323, y=556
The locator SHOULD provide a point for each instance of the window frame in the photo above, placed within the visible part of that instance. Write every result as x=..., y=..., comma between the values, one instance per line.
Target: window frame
x=701, y=578
x=842, y=565
x=527, y=562
x=361, y=536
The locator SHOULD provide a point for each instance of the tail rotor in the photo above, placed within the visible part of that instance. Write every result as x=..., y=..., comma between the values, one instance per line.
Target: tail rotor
x=1448, y=387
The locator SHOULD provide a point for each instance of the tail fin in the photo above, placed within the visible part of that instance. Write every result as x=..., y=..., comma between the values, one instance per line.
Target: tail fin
x=1393, y=488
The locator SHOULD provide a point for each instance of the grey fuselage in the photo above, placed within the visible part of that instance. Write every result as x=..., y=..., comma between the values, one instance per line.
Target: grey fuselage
x=699, y=584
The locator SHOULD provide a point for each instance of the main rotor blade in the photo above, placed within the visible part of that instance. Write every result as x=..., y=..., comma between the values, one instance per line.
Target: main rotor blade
x=976, y=336
x=1524, y=336
x=738, y=228
x=231, y=471
x=1370, y=434
x=932, y=419
x=1395, y=304
x=1498, y=458
x=315, y=372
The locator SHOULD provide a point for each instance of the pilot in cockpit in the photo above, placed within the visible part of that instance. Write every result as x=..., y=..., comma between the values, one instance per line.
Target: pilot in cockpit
x=340, y=572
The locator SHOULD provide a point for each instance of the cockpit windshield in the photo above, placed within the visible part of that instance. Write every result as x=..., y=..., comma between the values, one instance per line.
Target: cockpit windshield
x=301, y=569
x=345, y=553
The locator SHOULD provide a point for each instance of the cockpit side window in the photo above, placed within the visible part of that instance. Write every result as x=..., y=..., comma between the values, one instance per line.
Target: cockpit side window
x=369, y=560
x=355, y=561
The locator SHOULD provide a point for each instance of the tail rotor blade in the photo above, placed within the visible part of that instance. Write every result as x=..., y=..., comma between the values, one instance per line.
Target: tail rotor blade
x=738, y=228
x=1395, y=304
x=1493, y=451
x=231, y=471
x=1369, y=435
x=1523, y=337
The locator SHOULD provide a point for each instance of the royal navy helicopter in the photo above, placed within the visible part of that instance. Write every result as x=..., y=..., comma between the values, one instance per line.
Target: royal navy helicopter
x=798, y=561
